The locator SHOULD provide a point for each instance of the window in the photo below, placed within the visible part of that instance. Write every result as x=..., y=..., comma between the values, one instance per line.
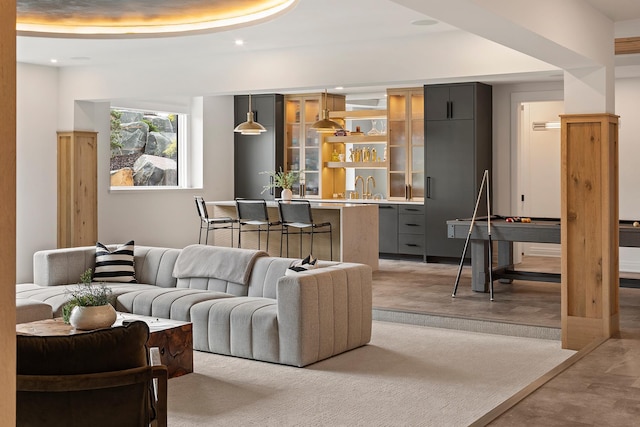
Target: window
x=146, y=147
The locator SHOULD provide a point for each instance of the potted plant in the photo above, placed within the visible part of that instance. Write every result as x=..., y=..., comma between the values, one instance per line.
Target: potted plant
x=281, y=179
x=89, y=305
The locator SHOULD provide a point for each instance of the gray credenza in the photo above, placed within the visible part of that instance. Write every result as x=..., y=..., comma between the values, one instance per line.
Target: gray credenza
x=458, y=141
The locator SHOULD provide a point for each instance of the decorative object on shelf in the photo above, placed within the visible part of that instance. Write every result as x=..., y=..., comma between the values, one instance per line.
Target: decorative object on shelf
x=374, y=128
x=89, y=306
x=325, y=124
x=366, y=154
x=335, y=156
x=284, y=180
x=250, y=127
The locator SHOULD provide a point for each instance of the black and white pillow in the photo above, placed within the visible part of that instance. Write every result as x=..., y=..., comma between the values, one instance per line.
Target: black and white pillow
x=116, y=265
x=308, y=263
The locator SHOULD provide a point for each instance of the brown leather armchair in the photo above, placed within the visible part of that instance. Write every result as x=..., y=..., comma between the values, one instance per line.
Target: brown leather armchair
x=99, y=378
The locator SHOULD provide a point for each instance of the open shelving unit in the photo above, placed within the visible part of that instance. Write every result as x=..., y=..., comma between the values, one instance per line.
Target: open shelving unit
x=336, y=173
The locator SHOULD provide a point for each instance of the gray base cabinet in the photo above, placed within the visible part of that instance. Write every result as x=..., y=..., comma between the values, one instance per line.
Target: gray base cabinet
x=458, y=141
x=257, y=153
x=411, y=230
x=401, y=229
x=388, y=229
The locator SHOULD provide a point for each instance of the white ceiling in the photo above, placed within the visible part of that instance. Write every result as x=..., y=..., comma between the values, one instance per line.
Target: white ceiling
x=311, y=24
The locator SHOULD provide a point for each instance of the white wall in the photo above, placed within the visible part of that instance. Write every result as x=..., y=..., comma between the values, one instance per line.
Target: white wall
x=627, y=107
x=37, y=97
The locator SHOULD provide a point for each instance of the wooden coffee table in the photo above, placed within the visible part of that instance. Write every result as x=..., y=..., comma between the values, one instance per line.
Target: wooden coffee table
x=173, y=338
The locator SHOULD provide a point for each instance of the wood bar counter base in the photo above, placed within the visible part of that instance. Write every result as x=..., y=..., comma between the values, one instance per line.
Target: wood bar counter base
x=356, y=225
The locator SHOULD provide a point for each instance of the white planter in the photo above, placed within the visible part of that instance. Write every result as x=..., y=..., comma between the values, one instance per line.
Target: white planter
x=87, y=318
x=286, y=194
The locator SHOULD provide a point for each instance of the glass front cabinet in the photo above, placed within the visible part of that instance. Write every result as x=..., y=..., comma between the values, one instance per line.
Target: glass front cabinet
x=304, y=145
x=405, y=144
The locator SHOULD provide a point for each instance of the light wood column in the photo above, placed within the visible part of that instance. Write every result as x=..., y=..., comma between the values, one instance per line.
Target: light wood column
x=589, y=228
x=77, y=189
x=8, y=211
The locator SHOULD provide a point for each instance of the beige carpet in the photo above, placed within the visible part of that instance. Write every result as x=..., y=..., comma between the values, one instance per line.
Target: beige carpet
x=407, y=376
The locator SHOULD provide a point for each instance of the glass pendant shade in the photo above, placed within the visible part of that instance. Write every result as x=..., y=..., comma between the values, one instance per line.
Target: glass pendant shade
x=250, y=127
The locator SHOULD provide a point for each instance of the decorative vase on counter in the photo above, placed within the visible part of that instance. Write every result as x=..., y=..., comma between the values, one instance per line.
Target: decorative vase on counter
x=92, y=317
x=286, y=194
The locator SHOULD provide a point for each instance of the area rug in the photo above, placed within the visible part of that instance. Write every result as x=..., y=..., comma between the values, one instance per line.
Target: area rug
x=407, y=376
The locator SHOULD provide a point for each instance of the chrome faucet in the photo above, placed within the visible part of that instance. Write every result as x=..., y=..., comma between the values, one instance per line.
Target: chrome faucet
x=367, y=192
x=355, y=185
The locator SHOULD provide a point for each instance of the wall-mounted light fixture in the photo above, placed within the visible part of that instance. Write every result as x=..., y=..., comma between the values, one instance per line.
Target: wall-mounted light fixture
x=250, y=127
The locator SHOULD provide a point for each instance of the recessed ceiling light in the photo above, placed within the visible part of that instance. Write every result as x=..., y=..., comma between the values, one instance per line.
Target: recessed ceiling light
x=53, y=61
x=339, y=88
x=239, y=42
x=424, y=22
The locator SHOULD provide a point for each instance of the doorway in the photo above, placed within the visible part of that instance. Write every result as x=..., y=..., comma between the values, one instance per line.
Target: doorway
x=539, y=168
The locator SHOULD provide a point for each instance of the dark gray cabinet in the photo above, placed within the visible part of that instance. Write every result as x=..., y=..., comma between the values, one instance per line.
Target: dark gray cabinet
x=388, y=228
x=411, y=230
x=256, y=153
x=401, y=229
x=458, y=141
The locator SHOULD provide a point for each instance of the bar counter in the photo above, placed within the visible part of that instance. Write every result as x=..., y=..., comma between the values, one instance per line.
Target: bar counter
x=355, y=232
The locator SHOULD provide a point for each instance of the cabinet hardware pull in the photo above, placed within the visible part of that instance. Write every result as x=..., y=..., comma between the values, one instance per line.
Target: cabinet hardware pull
x=412, y=209
x=451, y=109
x=386, y=207
x=413, y=245
x=272, y=189
x=413, y=225
x=428, y=187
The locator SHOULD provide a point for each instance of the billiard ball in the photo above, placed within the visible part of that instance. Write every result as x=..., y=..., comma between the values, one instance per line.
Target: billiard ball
x=636, y=224
x=509, y=219
x=527, y=220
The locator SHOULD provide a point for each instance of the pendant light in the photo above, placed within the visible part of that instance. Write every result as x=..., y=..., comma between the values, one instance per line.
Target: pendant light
x=325, y=124
x=250, y=127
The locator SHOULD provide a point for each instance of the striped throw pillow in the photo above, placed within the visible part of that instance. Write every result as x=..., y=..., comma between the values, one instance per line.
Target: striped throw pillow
x=116, y=266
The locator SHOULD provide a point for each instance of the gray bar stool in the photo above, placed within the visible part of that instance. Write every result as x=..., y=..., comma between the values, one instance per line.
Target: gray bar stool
x=207, y=223
x=253, y=212
x=297, y=214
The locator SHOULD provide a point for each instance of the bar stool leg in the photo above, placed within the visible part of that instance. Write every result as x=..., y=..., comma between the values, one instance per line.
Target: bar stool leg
x=301, y=243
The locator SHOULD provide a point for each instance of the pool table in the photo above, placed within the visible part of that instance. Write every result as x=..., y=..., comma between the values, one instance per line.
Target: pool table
x=541, y=230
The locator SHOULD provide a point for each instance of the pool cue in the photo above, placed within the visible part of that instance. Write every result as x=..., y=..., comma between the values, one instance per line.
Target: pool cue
x=466, y=243
x=490, y=244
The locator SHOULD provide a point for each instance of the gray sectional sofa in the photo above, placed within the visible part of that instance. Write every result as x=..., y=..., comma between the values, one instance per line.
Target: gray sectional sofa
x=241, y=302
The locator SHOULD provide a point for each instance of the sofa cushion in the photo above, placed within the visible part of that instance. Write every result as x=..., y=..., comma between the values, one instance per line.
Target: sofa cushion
x=28, y=310
x=166, y=303
x=116, y=265
x=242, y=327
x=57, y=296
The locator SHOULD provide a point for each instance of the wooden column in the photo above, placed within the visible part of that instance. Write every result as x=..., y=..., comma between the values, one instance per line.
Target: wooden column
x=77, y=189
x=589, y=229
x=8, y=210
